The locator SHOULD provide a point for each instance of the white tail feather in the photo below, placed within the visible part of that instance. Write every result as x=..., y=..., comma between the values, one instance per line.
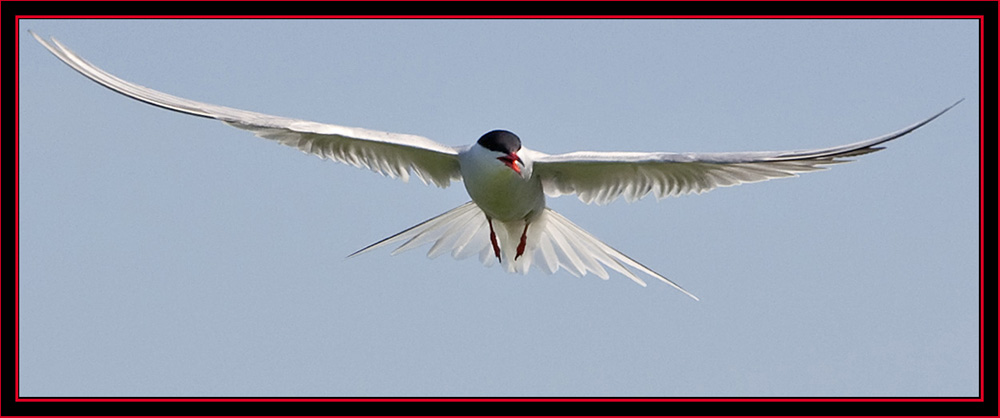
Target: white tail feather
x=553, y=242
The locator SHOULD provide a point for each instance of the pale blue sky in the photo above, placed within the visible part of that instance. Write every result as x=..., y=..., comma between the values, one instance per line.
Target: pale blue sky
x=168, y=255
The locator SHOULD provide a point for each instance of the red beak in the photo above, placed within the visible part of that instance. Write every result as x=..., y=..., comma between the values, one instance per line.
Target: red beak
x=511, y=161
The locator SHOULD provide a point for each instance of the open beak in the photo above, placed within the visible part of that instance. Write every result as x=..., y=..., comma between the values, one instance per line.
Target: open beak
x=511, y=161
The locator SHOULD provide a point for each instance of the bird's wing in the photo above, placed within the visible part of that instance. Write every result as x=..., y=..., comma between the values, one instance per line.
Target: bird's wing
x=391, y=154
x=602, y=177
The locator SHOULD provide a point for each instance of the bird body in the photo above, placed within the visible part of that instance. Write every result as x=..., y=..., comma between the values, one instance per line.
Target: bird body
x=507, y=220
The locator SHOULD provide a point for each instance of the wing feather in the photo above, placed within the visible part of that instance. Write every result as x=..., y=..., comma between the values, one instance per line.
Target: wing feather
x=602, y=177
x=390, y=154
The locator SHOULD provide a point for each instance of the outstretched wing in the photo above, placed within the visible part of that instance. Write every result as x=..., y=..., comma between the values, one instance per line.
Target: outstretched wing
x=391, y=154
x=602, y=177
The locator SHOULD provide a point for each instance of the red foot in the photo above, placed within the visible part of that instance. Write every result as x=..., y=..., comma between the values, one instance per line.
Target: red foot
x=524, y=241
x=493, y=240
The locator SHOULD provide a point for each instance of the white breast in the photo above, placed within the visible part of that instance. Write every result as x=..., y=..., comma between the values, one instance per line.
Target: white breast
x=500, y=192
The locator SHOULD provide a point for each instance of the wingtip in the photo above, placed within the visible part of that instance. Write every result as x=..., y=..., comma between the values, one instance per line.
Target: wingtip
x=40, y=39
x=945, y=110
x=952, y=105
x=36, y=36
x=359, y=252
x=46, y=44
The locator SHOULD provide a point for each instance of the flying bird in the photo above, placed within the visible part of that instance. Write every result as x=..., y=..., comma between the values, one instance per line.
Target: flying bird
x=507, y=221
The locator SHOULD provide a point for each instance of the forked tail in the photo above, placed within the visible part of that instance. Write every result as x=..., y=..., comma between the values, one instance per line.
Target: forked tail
x=553, y=242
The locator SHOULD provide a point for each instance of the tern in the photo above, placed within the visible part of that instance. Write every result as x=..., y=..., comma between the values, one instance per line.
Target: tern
x=507, y=221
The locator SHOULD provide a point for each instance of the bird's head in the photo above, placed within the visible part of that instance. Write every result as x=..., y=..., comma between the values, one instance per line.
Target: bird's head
x=506, y=145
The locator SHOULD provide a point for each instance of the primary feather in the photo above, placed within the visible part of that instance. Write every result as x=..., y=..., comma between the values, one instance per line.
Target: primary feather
x=390, y=154
x=602, y=177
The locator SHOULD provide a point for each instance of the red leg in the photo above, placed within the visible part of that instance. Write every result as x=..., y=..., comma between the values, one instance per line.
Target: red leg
x=493, y=240
x=524, y=241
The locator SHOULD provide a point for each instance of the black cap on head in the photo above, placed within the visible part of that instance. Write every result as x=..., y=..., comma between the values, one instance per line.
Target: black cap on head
x=500, y=141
